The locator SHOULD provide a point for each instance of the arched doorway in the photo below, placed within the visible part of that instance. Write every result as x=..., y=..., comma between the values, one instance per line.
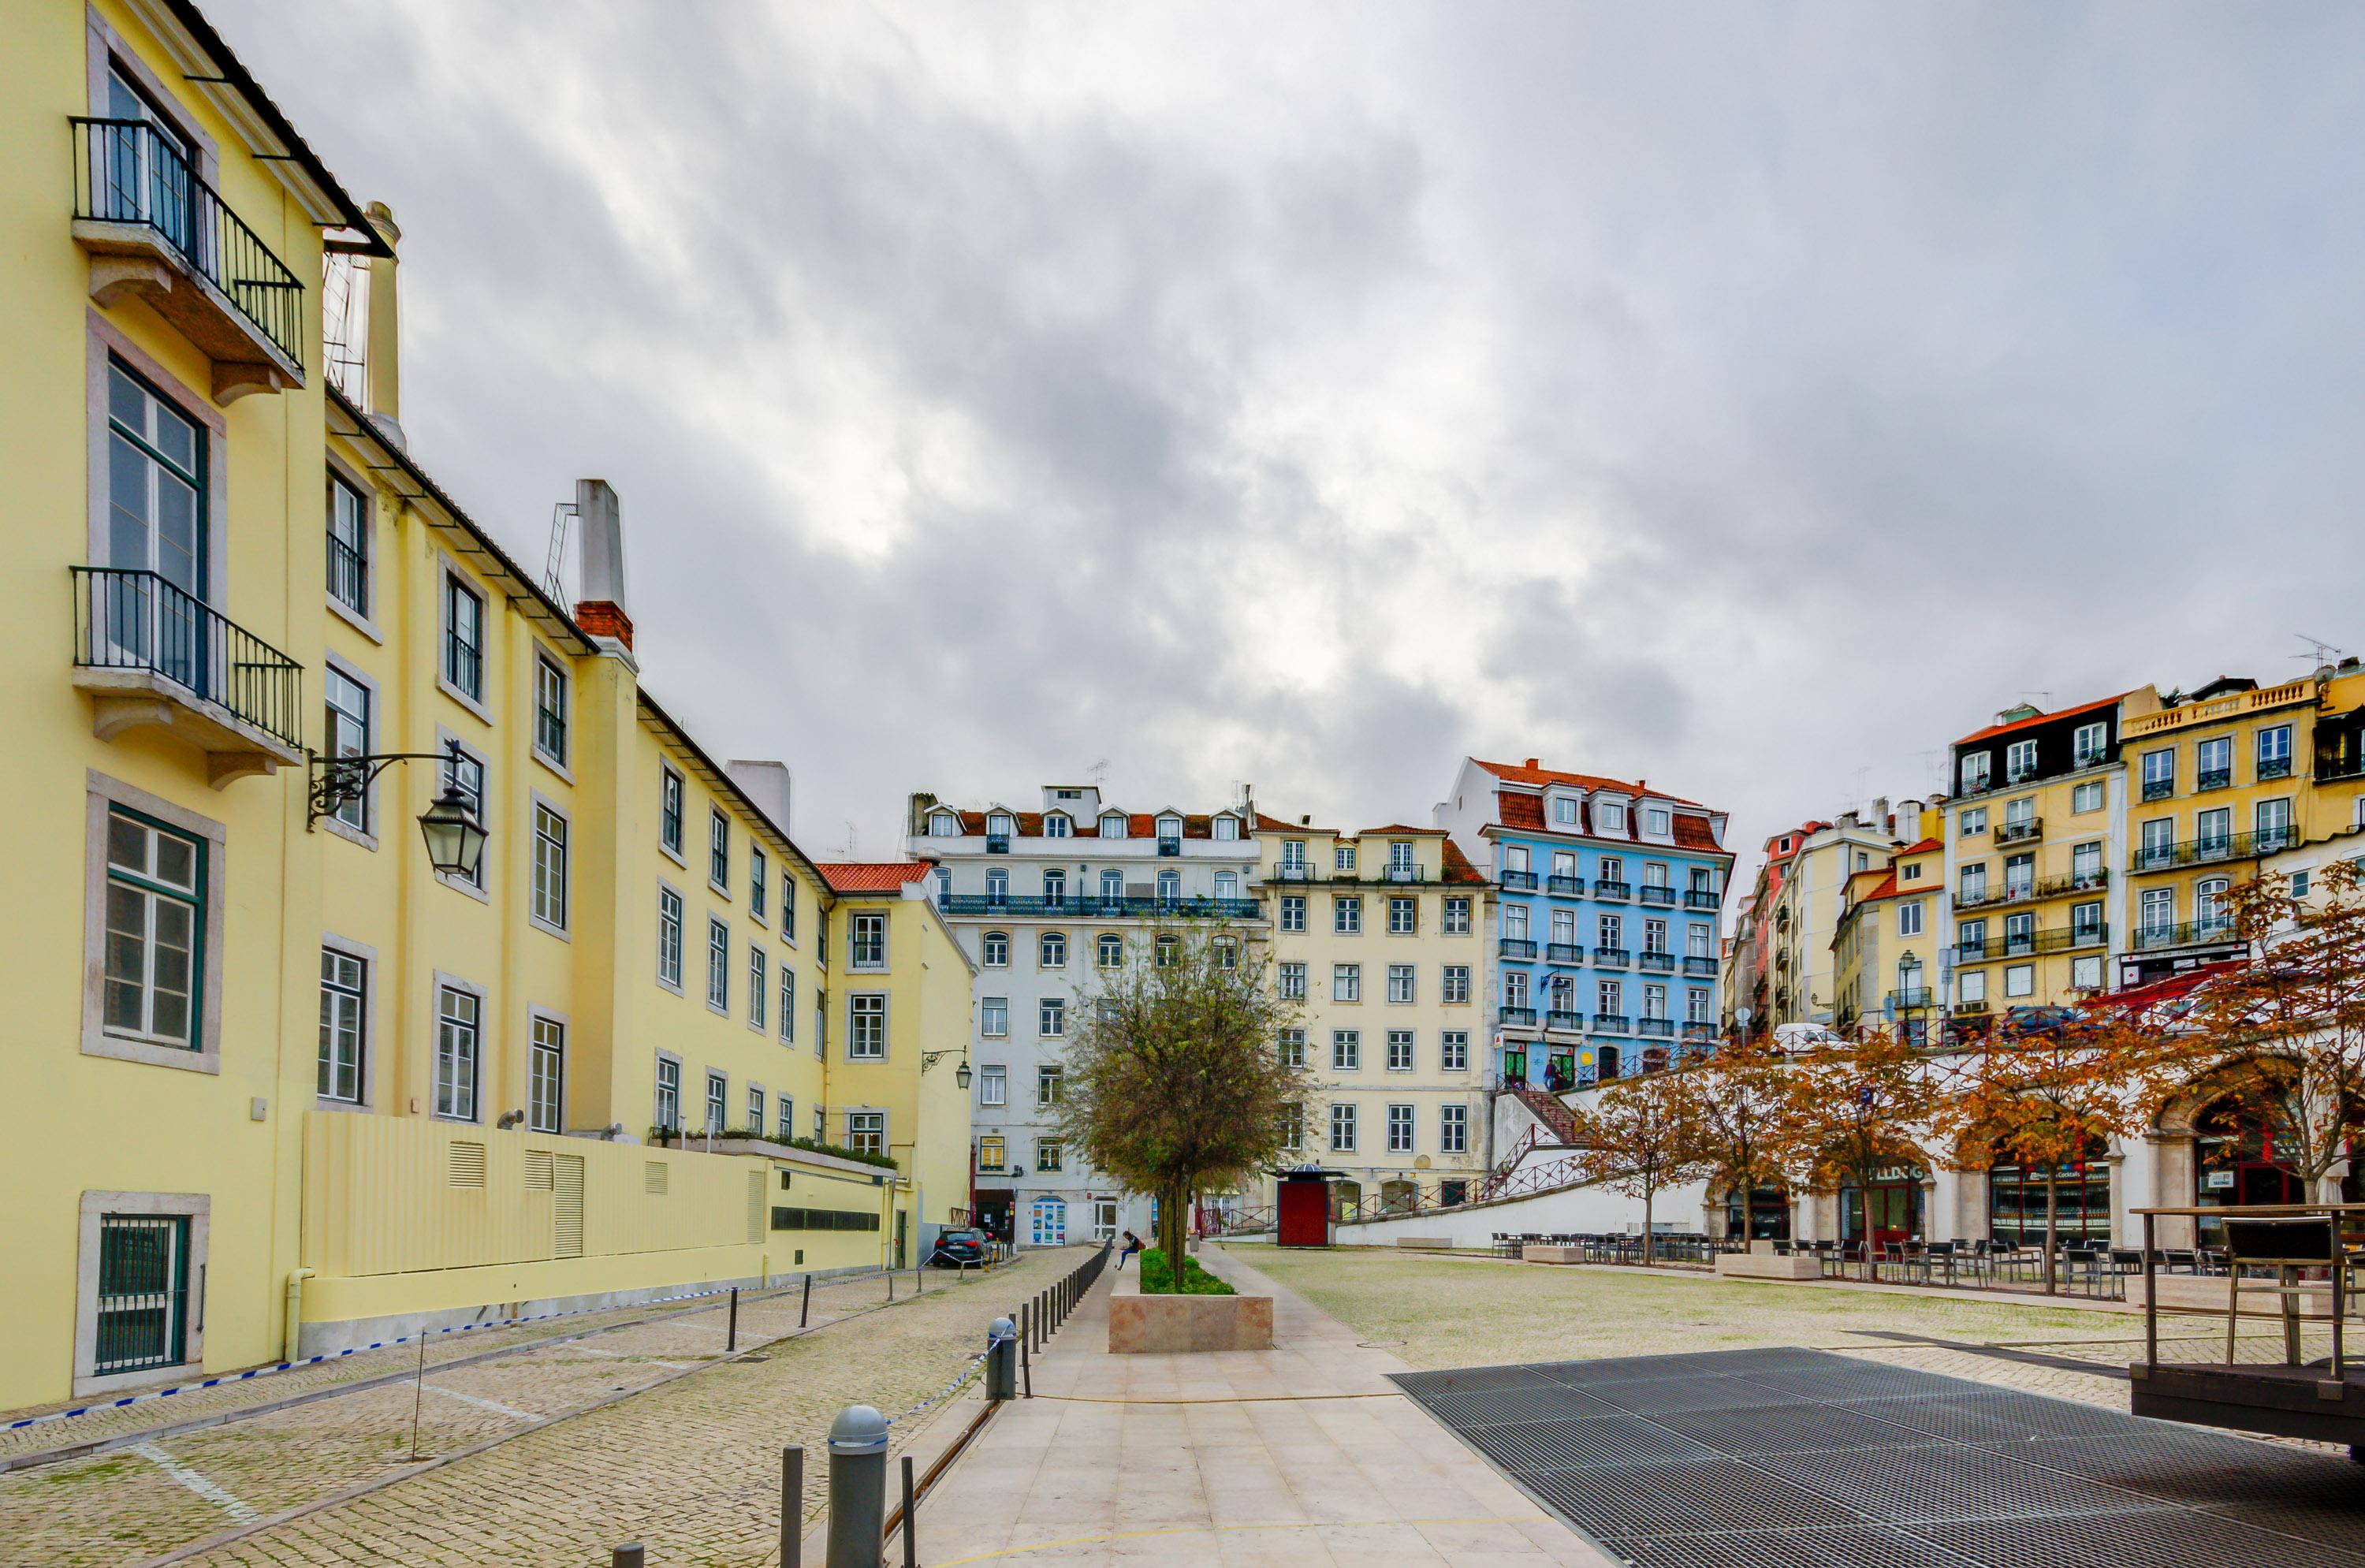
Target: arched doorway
x=1346, y=1200
x=1047, y=1222
x=1768, y=1218
x=2017, y=1191
x=2242, y=1161
x=1398, y=1196
x=1895, y=1207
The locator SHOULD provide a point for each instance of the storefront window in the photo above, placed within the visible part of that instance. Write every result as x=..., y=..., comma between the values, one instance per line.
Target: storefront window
x=2081, y=1188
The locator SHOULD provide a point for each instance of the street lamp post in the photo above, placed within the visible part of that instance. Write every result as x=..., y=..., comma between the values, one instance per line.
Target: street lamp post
x=454, y=834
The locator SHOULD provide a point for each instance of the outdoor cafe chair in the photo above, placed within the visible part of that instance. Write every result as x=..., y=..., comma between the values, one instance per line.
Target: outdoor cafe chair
x=2286, y=1245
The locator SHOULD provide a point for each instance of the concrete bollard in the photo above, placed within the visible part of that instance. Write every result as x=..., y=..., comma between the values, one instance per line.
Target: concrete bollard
x=1000, y=1359
x=793, y=1505
x=858, y=1488
x=628, y=1555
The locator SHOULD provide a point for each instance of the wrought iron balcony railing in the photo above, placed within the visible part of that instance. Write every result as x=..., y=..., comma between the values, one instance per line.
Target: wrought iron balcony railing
x=2029, y=892
x=1081, y=907
x=1565, y=887
x=2028, y=944
x=1564, y=952
x=1515, y=947
x=1699, y=1031
x=1657, y=960
x=1614, y=892
x=2213, y=849
x=2333, y=769
x=1519, y=1018
x=1658, y=893
x=2213, y=778
x=2215, y=929
x=2158, y=789
x=1520, y=881
x=1910, y=997
x=1559, y=1018
x=1662, y=1028
x=1612, y=957
x=997, y=844
x=1613, y=1024
x=1703, y=897
x=1700, y=968
x=2274, y=768
x=127, y=171
x=2021, y=832
x=140, y=624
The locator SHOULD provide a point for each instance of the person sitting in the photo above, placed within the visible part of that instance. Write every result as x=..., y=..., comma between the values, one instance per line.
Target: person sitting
x=1132, y=1246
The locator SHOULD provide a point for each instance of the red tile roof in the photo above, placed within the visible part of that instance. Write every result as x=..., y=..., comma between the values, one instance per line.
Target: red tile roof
x=1526, y=812
x=1693, y=832
x=1139, y=824
x=1457, y=864
x=1994, y=730
x=1924, y=848
x=872, y=876
x=1404, y=831
x=1519, y=773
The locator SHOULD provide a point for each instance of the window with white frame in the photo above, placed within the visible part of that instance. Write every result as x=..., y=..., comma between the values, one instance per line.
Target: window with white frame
x=156, y=888
x=994, y=1017
x=718, y=849
x=1971, y=986
x=1228, y=885
x=2086, y=972
x=1658, y=822
x=784, y=1120
x=1610, y=816
x=551, y=708
x=1400, y=1050
x=1909, y=918
x=464, y=774
x=1457, y=917
x=1563, y=927
x=759, y=986
x=2019, y=980
x=1293, y=912
x=2089, y=744
x=1055, y=886
x=1051, y=1017
x=944, y=824
x=545, y=1088
x=1292, y=857
x=346, y=733
x=1699, y=941
x=994, y=949
x=866, y=1027
x=669, y=1094
x=1170, y=888
x=1345, y=982
x=1400, y=983
x=1515, y=987
x=1050, y=1086
x=1290, y=978
x=788, y=908
x=549, y=867
x=1342, y=1129
x=345, y=1025
x=1655, y=1001
x=788, y=1004
x=669, y=938
x=1347, y=915
x=718, y=965
x=1055, y=825
x=458, y=1051
x=1453, y=1129
x=1166, y=951
x=1404, y=916
x=1052, y=950
x=2019, y=761
x=1610, y=931
x=1515, y=922
x=866, y=1132
x=1453, y=1050
x=2085, y=797
x=866, y=940
x=2274, y=752
x=1050, y=1154
x=1292, y=1048
x=1110, y=950
x=1346, y=1050
x=1609, y=998
x=759, y=877
x=1974, y=772
x=993, y=1086
x=2159, y=773
x=1400, y=1129
x=1226, y=828
x=1293, y=1128
x=1342, y=857
x=756, y=1102
x=1695, y=1004
x=1564, y=811
x=1113, y=824
x=2272, y=819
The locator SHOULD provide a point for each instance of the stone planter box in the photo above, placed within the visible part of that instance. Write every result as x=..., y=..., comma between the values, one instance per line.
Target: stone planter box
x=1765, y=1266
x=1541, y=1252
x=1174, y=1325
x=1424, y=1244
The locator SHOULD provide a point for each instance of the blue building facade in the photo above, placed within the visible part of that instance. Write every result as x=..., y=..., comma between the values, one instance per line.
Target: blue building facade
x=1605, y=952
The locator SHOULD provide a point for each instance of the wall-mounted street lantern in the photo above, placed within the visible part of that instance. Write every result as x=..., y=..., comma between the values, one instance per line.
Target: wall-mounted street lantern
x=960, y=1074
x=455, y=838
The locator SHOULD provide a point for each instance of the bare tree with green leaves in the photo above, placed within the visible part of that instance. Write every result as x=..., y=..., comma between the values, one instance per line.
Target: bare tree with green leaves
x=1175, y=1081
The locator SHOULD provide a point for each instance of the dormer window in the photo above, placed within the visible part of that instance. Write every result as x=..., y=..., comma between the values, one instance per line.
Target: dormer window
x=1113, y=824
x=1564, y=811
x=998, y=824
x=1293, y=858
x=944, y=824
x=1657, y=822
x=1170, y=836
x=1610, y=816
x=1399, y=859
x=1343, y=857
x=1227, y=828
x=1055, y=825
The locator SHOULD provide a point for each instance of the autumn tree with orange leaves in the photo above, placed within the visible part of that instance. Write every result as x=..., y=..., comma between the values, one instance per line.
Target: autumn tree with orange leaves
x=1862, y=1106
x=1640, y=1134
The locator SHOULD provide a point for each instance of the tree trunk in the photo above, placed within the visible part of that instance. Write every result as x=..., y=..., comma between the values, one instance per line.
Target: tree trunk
x=1650, y=1191
x=1171, y=1230
x=2051, y=1224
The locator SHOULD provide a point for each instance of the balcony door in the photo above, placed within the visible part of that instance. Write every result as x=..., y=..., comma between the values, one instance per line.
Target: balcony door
x=148, y=170
x=150, y=614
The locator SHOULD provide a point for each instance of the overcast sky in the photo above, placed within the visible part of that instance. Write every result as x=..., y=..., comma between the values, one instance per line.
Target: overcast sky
x=1750, y=399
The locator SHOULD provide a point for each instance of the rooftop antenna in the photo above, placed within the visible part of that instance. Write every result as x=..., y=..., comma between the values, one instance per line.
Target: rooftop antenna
x=2044, y=704
x=556, y=559
x=2319, y=652
x=851, y=840
x=1099, y=772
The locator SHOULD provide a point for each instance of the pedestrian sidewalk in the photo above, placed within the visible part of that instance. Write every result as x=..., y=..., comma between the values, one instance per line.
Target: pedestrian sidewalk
x=1302, y=1455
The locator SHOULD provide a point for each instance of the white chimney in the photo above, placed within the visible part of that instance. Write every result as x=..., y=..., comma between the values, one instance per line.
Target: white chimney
x=601, y=609
x=765, y=783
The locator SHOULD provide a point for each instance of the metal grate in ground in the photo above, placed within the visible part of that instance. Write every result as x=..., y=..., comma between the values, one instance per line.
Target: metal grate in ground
x=1800, y=1458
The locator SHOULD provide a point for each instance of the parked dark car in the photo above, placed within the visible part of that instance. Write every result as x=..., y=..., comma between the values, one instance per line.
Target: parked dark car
x=958, y=1248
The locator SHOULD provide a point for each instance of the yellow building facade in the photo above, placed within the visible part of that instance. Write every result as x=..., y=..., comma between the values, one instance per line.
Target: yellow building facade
x=1380, y=935
x=296, y=1086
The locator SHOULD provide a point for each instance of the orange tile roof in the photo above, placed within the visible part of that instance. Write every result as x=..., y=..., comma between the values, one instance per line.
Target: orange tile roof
x=872, y=876
x=1519, y=773
x=1994, y=730
x=1924, y=848
x=1457, y=864
x=1400, y=829
x=1139, y=824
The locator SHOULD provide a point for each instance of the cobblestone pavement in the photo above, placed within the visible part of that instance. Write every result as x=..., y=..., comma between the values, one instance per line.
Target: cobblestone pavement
x=684, y=1456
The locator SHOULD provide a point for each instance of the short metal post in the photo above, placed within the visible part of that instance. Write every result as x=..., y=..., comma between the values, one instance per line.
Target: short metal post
x=732, y=1343
x=792, y=1503
x=858, y=1488
x=1000, y=1359
x=805, y=1312
x=628, y=1555
x=1026, y=1369
x=2151, y=1300
x=911, y=1519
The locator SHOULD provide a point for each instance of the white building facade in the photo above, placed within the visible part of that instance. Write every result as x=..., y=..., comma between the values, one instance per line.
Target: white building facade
x=1043, y=901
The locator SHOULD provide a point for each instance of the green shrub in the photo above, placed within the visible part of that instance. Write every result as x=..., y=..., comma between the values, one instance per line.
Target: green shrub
x=1156, y=1279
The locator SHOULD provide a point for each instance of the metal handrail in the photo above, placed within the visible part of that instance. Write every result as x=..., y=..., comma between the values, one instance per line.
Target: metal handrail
x=129, y=171
x=2212, y=850
x=140, y=621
